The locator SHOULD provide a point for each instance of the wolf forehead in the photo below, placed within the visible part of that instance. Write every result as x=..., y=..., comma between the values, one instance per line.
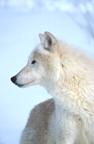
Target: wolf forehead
x=40, y=53
x=40, y=49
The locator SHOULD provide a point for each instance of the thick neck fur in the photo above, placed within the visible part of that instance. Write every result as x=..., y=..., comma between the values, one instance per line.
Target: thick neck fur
x=74, y=91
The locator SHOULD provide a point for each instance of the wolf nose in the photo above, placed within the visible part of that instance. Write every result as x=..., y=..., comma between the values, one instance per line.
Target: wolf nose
x=13, y=79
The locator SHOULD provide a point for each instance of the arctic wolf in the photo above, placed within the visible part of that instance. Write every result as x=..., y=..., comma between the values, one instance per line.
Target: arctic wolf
x=67, y=75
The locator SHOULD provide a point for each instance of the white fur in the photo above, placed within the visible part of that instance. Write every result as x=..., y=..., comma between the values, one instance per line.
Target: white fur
x=68, y=76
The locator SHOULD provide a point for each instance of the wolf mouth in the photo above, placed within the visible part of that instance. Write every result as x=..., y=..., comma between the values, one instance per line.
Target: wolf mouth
x=23, y=85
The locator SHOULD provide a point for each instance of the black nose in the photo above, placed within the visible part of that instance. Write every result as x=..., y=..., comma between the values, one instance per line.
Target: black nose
x=13, y=79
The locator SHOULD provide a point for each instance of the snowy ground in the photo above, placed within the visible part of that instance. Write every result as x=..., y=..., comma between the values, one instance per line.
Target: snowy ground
x=18, y=36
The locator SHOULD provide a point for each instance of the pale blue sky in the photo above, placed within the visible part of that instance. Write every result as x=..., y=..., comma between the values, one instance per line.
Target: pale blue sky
x=18, y=36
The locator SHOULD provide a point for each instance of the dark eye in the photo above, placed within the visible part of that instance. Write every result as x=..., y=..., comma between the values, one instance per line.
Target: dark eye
x=33, y=62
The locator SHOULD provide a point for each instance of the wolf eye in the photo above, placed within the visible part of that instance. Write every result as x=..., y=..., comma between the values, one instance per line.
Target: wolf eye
x=33, y=62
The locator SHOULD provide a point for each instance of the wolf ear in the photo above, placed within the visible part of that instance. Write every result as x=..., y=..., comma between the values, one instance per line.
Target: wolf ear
x=47, y=40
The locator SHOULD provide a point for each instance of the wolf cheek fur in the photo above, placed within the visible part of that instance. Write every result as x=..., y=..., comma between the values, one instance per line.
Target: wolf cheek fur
x=68, y=76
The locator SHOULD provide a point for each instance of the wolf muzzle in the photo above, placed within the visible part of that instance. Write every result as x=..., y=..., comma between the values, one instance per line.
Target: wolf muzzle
x=14, y=80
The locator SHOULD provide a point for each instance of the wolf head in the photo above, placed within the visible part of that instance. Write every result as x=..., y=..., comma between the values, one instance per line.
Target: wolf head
x=43, y=66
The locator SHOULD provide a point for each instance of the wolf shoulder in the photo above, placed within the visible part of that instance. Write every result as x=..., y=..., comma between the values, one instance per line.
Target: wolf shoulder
x=37, y=127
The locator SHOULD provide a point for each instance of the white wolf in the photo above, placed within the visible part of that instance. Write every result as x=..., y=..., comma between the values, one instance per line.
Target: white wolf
x=68, y=76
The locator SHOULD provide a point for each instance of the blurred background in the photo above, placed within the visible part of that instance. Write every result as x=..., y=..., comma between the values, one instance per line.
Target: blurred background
x=20, y=23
